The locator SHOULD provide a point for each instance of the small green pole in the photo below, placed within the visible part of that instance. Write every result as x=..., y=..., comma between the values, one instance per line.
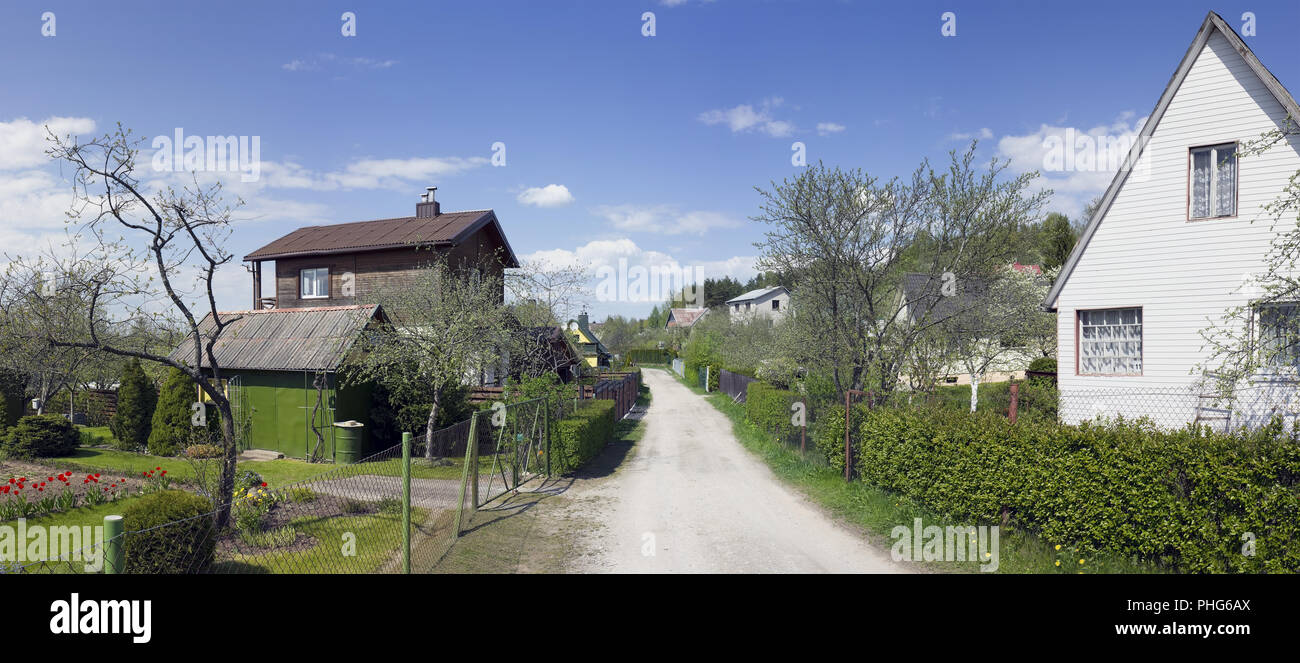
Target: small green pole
x=471, y=446
x=406, y=503
x=472, y=466
x=114, y=556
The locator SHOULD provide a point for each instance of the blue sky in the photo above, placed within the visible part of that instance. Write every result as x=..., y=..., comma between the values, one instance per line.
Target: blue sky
x=658, y=141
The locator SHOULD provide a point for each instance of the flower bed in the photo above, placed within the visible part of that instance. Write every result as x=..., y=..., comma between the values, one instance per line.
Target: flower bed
x=28, y=490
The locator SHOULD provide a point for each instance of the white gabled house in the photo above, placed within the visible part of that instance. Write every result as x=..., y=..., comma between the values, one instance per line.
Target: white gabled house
x=1172, y=242
x=764, y=303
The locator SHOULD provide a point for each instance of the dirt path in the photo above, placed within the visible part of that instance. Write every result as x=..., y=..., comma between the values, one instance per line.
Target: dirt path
x=691, y=499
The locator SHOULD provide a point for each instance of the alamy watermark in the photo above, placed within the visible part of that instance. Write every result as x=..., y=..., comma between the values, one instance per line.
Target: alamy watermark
x=21, y=544
x=218, y=154
x=933, y=543
x=655, y=283
x=1076, y=151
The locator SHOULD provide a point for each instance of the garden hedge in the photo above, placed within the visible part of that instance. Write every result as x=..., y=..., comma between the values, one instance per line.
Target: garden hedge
x=1184, y=499
x=42, y=436
x=582, y=435
x=187, y=543
x=769, y=408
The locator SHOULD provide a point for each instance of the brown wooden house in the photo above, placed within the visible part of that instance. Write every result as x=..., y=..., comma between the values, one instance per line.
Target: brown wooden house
x=349, y=263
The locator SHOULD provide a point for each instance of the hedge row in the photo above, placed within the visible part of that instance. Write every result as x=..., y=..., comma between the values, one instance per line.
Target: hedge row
x=650, y=356
x=1186, y=499
x=771, y=409
x=580, y=436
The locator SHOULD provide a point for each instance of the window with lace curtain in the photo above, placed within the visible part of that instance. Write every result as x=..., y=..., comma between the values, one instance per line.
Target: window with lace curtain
x=1110, y=342
x=1213, y=181
x=1279, y=334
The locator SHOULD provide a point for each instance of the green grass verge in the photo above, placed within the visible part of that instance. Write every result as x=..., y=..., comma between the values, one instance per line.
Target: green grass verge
x=878, y=511
x=275, y=472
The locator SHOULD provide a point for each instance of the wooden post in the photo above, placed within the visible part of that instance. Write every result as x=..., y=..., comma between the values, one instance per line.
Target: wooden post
x=1015, y=402
x=257, y=286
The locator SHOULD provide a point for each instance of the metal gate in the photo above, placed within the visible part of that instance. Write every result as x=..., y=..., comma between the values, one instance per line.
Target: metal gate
x=516, y=438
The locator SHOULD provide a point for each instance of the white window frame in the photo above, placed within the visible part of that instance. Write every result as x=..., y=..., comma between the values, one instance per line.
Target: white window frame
x=316, y=279
x=1213, y=194
x=1260, y=339
x=1099, y=339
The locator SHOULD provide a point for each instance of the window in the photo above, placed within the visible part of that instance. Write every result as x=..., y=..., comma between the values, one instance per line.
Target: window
x=1110, y=342
x=776, y=305
x=1279, y=334
x=1213, y=181
x=315, y=283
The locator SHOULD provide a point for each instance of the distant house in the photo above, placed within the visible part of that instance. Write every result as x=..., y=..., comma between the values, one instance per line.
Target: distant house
x=554, y=352
x=279, y=368
x=764, y=303
x=1174, y=240
x=594, y=352
x=348, y=263
x=684, y=318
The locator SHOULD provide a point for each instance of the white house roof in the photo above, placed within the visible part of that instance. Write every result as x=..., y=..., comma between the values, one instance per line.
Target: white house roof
x=756, y=294
x=1213, y=22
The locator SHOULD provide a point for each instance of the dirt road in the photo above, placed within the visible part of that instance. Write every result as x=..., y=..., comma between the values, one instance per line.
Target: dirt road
x=691, y=499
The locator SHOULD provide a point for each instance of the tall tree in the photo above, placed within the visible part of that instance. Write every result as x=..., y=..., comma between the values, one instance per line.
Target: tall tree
x=445, y=326
x=1058, y=240
x=143, y=258
x=137, y=397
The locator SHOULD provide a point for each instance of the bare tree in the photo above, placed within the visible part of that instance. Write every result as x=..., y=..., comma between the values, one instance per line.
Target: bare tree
x=143, y=259
x=546, y=293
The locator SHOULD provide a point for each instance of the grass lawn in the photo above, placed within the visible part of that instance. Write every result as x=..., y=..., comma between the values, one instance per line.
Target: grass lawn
x=101, y=434
x=878, y=511
x=377, y=537
x=275, y=472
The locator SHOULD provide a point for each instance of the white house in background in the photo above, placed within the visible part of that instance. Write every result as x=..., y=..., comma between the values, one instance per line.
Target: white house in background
x=1172, y=242
x=767, y=303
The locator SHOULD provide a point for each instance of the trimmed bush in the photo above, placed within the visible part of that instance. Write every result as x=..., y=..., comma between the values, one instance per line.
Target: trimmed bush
x=1183, y=499
x=187, y=542
x=42, y=436
x=136, y=399
x=13, y=402
x=770, y=408
x=582, y=435
x=1043, y=365
x=171, y=429
x=650, y=356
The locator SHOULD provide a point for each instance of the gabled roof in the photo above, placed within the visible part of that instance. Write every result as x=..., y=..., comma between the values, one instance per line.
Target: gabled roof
x=1213, y=23
x=925, y=300
x=756, y=294
x=448, y=229
x=684, y=317
x=287, y=339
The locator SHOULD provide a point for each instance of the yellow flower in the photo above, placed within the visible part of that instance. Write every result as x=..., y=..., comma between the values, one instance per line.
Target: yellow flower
x=1080, y=561
x=1058, y=546
x=1058, y=562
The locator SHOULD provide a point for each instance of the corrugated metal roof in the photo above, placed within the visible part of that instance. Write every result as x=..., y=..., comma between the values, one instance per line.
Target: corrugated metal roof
x=290, y=339
x=755, y=294
x=447, y=228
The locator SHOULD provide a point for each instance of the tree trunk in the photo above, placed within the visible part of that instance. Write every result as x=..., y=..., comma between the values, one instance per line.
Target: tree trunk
x=227, y=487
x=429, y=426
x=974, y=390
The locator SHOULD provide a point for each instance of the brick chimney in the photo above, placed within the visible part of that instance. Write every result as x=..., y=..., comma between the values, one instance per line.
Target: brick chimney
x=428, y=207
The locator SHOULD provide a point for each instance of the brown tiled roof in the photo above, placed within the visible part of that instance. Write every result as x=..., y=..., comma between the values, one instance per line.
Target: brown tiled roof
x=685, y=317
x=446, y=229
x=287, y=339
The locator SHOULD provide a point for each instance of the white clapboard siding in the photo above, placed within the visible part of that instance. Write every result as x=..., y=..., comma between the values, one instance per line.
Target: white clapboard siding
x=1146, y=253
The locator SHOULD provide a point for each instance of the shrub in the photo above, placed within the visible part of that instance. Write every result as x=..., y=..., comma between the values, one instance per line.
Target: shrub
x=248, y=480
x=1181, y=498
x=171, y=418
x=582, y=435
x=42, y=436
x=137, y=397
x=770, y=408
x=203, y=451
x=1043, y=365
x=12, y=399
x=827, y=433
x=169, y=532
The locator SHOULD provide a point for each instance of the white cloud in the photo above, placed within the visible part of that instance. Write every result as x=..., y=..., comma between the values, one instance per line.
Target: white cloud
x=1097, y=153
x=23, y=142
x=983, y=134
x=828, y=128
x=551, y=195
x=663, y=219
x=330, y=60
x=745, y=118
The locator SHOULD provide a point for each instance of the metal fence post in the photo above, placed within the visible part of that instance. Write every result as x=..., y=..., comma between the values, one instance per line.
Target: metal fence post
x=114, y=555
x=471, y=448
x=406, y=502
x=1015, y=402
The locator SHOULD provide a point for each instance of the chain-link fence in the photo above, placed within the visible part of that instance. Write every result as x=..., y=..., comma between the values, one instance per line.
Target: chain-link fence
x=395, y=510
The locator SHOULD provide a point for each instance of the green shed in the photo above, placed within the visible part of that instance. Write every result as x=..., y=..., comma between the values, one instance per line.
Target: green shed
x=279, y=367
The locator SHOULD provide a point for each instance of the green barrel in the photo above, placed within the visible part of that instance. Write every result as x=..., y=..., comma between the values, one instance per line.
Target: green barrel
x=347, y=441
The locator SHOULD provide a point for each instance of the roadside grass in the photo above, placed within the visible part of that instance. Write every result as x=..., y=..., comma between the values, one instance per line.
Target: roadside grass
x=377, y=537
x=509, y=537
x=878, y=511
